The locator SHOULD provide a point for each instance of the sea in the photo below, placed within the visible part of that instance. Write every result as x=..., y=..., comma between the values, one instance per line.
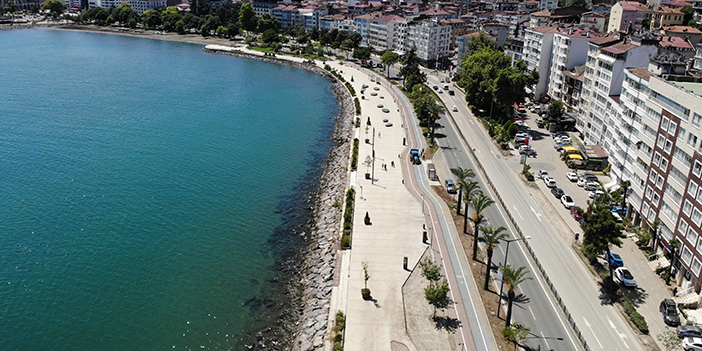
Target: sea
x=150, y=193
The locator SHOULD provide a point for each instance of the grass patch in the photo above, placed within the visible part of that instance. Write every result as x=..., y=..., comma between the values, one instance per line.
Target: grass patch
x=348, y=220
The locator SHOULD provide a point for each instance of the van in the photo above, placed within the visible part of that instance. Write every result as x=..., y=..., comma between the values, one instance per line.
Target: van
x=450, y=186
x=446, y=87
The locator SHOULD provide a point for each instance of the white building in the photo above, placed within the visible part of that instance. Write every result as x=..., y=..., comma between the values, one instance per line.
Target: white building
x=538, y=45
x=382, y=34
x=569, y=50
x=430, y=39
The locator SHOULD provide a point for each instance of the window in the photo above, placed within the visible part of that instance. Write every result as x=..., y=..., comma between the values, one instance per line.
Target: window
x=699, y=196
x=644, y=209
x=696, y=265
x=681, y=134
x=683, y=157
x=668, y=146
x=692, y=140
x=672, y=128
x=661, y=141
x=651, y=216
x=656, y=199
x=659, y=182
x=677, y=175
x=692, y=189
x=657, y=159
x=687, y=208
x=692, y=237
x=668, y=212
x=664, y=123
x=696, y=120
x=686, y=255
x=697, y=169
x=696, y=216
x=649, y=192
x=664, y=165
x=683, y=227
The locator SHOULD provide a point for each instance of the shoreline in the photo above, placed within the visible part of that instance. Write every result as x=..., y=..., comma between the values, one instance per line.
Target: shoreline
x=311, y=288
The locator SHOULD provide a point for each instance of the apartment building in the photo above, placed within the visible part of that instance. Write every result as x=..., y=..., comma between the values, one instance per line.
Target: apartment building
x=570, y=48
x=431, y=39
x=572, y=87
x=458, y=27
x=593, y=20
x=538, y=44
x=665, y=17
x=381, y=34
x=626, y=15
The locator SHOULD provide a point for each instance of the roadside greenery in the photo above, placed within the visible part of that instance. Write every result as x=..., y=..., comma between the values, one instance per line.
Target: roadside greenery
x=358, y=106
x=348, y=220
x=636, y=318
x=410, y=71
x=600, y=230
x=354, y=155
x=437, y=291
x=516, y=334
x=339, y=327
x=462, y=174
x=512, y=277
x=669, y=340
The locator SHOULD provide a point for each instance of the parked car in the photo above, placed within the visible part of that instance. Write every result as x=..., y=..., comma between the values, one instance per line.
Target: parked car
x=557, y=192
x=595, y=194
x=575, y=212
x=561, y=145
x=623, y=275
x=591, y=186
x=692, y=344
x=558, y=135
x=614, y=260
x=525, y=150
x=550, y=182
x=542, y=173
x=450, y=186
x=669, y=310
x=521, y=135
x=567, y=201
x=688, y=331
x=618, y=209
x=451, y=92
x=539, y=122
x=572, y=176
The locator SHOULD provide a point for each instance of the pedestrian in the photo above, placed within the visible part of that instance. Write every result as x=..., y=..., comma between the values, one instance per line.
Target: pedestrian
x=392, y=163
x=378, y=134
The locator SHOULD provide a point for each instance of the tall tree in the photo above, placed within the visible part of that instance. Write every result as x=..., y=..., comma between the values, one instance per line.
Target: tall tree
x=479, y=203
x=55, y=7
x=512, y=277
x=363, y=54
x=688, y=13
x=461, y=175
x=247, y=17
x=411, y=72
x=435, y=111
x=600, y=230
x=480, y=42
x=555, y=110
x=492, y=237
x=470, y=189
x=388, y=59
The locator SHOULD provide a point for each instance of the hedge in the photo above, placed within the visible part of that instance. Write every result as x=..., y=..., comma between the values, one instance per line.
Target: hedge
x=354, y=155
x=348, y=220
x=636, y=318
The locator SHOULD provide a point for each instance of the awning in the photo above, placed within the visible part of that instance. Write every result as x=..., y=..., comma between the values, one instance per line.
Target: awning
x=569, y=148
x=575, y=157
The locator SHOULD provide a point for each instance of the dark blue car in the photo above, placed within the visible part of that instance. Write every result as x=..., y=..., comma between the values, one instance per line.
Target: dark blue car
x=614, y=260
x=557, y=192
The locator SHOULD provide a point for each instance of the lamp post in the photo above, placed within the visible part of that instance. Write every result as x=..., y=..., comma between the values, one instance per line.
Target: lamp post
x=502, y=283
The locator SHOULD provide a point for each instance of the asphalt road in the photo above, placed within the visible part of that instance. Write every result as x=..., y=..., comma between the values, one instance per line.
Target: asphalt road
x=600, y=323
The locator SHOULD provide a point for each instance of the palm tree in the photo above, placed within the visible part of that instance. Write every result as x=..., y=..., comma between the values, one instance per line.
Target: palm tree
x=435, y=111
x=492, y=237
x=513, y=277
x=469, y=191
x=461, y=175
x=479, y=203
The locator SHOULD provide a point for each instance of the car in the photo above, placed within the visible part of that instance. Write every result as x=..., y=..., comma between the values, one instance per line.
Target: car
x=614, y=260
x=525, y=149
x=692, y=344
x=688, y=331
x=454, y=109
x=617, y=218
x=521, y=135
x=450, y=186
x=543, y=173
x=575, y=212
x=440, y=91
x=436, y=87
x=557, y=192
x=572, y=176
x=625, y=277
x=595, y=194
x=618, y=209
x=539, y=123
x=669, y=310
x=581, y=182
x=451, y=92
x=563, y=139
x=558, y=135
x=592, y=186
x=550, y=182
x=441, y=80
x=567, y=201
x=560, y=145
x=446, y=87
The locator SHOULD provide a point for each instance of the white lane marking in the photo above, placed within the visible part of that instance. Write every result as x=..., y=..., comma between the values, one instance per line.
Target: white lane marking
x=546, y=341
x=516, y=210
x=621, y=335
x=593, y=332
x=532, y=314
x=538, y=215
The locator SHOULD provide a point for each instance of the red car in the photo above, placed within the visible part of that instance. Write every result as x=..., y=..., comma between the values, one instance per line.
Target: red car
x=575, y=212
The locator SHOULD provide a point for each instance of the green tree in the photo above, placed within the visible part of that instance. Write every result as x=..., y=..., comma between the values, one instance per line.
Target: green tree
x=480, y=42
x=435, y=111
x=461, y=175
x=516, y=334
x=411, y=72
x=492, y=237
x=266, y=22
x=12, y=7
x=600, y=230
x=512, y=278
x=470, y=189
x=388, y=59
x=363, y=54
x=669, y=340
x=437, y=294
x=53, y=6
x=480, y=203
x=430, y=270
x=555, y=110
x=124, y=13
x=247, y=17
x=688, y=13
x=151, y=19
x=347, y=45
x=270, y=36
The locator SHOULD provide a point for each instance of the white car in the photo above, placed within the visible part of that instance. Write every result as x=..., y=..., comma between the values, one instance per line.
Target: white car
x=543, y=174
x=692, y=344
x=582, y=182
x=567, y=201
x=454, y=109
x=572, y=176
x=595, y=194
x=550, y=182
x=521, y=135
x=591, y=186
x=623, y=275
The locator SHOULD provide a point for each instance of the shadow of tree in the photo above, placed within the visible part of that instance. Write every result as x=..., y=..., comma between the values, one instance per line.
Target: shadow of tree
x=447, y=323
x=608, y=292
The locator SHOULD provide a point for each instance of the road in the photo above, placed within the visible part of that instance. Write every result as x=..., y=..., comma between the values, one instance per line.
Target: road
x=600, y=323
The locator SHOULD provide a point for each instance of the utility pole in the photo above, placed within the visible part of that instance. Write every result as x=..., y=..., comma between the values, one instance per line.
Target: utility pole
x=373, y=166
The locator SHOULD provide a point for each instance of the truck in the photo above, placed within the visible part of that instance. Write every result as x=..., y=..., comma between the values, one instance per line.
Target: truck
x=414, y=156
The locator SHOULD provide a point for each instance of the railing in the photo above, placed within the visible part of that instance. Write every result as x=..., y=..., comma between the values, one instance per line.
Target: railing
x=685, y=291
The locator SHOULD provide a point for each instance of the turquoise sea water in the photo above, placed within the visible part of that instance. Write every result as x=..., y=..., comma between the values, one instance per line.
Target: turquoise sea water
x=146, y=188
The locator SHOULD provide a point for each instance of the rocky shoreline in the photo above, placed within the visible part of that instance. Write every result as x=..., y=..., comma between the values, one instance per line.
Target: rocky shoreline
x=313, y=285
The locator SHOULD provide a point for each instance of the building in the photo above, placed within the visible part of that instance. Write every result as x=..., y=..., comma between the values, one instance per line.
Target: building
x=572, y=87
x=538, y=44
x=697, y=63
x=691, y=33
x=570, y=47
x=458, y=27
x=665, y=17
x=496, y=30
x=593, y=20
x=430, y=39
x=137, y=5
x=382, y=33
x=627, y=15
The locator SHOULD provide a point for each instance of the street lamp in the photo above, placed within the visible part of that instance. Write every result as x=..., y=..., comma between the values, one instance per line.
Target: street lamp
x=502, y=284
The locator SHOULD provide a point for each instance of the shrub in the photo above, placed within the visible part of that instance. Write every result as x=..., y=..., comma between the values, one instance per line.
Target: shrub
x=351, y=89
x=354, y=154
x=358, y=110
x=636, y=318
x=327, y=67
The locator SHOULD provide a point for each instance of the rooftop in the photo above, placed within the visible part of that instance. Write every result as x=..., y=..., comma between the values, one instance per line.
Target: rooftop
x=642, y=73
x=690, y=84
x=682, y=29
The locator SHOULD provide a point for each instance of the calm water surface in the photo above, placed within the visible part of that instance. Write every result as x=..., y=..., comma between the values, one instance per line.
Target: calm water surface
x=141, y=183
